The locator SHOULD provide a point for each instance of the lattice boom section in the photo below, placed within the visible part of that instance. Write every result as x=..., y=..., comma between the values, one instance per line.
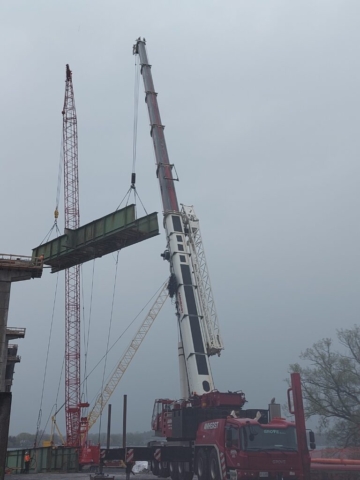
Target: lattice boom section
x=72, y=275
x=200, y=268
x=72, y=354
x=127, y=357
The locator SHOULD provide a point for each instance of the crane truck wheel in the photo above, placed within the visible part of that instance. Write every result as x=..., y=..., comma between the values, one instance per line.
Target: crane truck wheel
x=202, y=464
x=184, y=474
x=164, y=471
x=155, y=467
x=174, y=473
x=214, y=469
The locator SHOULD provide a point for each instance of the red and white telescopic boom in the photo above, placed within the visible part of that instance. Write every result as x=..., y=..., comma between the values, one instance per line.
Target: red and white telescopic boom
x=195, y=373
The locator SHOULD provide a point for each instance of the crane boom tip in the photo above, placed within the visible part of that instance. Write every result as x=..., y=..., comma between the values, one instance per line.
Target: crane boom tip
x=68, y=72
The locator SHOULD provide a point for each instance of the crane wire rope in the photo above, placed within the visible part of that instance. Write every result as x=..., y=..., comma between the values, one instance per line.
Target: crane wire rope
x=58, y=190
x=136, y=110
x=46, y=238
x=46, y=364
x=47, y=422
x=119, y=338
x=82, y=303
x=104, y=356
x=109, y=330
x=124, y=331
x=59, y=384
x=138, y=196
x=54, y=407
x=135, y=136
x=86, y=340
x=61, y=163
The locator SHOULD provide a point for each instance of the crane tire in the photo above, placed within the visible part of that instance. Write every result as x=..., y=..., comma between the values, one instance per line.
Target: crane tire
x=214, y=470
x=184, y=474
x=164, y=471
x=155, y=467
x=202, y=464
x=174, y=474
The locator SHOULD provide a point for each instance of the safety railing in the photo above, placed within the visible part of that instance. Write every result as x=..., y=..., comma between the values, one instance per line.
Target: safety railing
x=20, y=261
x=15, y=332
x=13, y=359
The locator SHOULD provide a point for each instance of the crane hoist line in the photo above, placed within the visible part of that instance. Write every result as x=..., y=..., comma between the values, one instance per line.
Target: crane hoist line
x=129, y=354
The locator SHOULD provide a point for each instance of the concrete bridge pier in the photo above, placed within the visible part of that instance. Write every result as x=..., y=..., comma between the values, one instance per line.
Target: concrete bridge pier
x=5, y=287
x=12, y=269
x=5, y=408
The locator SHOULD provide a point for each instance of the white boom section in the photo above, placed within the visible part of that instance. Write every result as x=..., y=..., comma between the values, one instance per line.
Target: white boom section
x=123, y=364
x=213, y=339
x=194, y=365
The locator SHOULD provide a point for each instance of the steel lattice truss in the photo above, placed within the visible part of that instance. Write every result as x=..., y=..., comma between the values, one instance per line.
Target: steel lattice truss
x=123, y=364
x=211, y=329
x=72, y=275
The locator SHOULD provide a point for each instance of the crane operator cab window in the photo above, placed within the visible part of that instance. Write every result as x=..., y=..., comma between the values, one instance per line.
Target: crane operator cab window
x=232, y=439
x=255, y=437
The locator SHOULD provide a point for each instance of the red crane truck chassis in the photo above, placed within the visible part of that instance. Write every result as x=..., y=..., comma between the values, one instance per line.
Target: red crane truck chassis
x=214, y=437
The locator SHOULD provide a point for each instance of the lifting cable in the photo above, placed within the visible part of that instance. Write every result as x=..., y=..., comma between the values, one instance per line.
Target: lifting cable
x=61, y=163
x=136, y=113
x=109, y=330
x=83, y=329
x=87, y=337
x=54, y=407
x=56, y=211
x=57, y=410
x=135, y=129
x=46, y=363
x=119, y=338
x=55, y=226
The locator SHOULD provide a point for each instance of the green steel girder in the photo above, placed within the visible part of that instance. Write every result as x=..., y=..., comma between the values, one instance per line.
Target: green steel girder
x=108, y=234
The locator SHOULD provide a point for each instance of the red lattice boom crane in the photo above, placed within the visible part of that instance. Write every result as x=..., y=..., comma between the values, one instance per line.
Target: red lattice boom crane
x=72, y=275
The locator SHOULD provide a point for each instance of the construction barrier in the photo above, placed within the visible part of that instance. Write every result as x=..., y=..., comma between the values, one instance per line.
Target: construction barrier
x=44, y=459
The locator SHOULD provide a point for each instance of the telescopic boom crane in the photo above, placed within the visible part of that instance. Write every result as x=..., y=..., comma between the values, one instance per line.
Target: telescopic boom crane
x=208, y=433
x=195, y=329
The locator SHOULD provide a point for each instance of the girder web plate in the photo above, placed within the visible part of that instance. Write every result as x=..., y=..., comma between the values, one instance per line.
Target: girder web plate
x=105, y=235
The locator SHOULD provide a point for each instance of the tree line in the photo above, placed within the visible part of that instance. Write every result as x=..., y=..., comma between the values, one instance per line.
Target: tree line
x=27, y=440
x=331, y=386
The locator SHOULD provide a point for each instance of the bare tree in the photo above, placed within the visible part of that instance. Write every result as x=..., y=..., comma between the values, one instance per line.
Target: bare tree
x=331, y=386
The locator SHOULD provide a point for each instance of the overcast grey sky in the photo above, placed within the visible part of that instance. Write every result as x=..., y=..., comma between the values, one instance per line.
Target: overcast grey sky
x=261, y=105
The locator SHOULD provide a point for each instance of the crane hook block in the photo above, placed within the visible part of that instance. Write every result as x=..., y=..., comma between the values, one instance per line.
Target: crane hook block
x=56, y=214
x=133, y=179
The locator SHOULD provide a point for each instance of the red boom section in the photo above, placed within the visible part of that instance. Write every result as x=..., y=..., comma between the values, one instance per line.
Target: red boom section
x=72, y=275
x=164, y=168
